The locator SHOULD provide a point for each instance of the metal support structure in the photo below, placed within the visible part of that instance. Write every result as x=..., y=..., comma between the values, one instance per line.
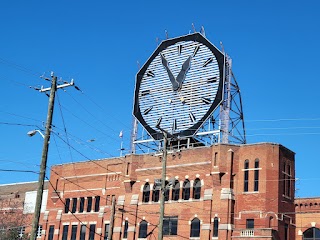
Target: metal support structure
x=163, y=185
x=45, y=149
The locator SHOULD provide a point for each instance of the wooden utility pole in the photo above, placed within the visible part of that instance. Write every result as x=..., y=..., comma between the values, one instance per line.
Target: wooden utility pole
x=113, y=207
x=44, y=156
x=163, y=185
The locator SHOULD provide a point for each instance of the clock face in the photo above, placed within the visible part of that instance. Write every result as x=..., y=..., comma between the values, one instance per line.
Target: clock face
x=179, y=87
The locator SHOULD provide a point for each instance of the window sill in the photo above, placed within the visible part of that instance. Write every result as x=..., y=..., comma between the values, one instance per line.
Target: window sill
x=256, y=192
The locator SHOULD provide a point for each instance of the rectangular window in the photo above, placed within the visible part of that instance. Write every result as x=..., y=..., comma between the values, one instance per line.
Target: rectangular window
x=74, y=232
x=256, y=176
x=89, y=204
x=81, y=208
x=250, y=223
x=125, y=230
x=287, y=179
x=97, y=204
x=170, y=225
x=65, y=232
x=67, y=205
x=246, y=176
x=106, y=231
x=92, y=231
x=286, y=232
x=83, y=232
x=51, y=232
x=74, y=205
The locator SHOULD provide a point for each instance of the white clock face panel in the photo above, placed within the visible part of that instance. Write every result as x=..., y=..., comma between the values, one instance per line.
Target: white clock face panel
x=178, y=87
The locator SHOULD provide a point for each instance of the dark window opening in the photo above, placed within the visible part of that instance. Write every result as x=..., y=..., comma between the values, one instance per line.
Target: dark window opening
x=195, y=228
x=83, y=232
x=170, y=225
x=186, y=190
x=51, y=232
x=125, y=230
x=143, y=229
x=250, y=223
x=81, y=208
x=97, y=204
x=74, y=232
x=92, y=231
x=215, y=227
x=176, y=191
x=246, y=176
x=89, y=204
x=146, y=193
x=196, y=189
x=166, y=191
x=312, y=234
x=65, y=232
x=106, y=231
x=74, y=205
x=256, y=175
x=156, y=193
x=67, y=205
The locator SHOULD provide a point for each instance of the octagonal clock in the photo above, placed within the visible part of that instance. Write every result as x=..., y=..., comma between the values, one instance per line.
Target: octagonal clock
x=179, y=86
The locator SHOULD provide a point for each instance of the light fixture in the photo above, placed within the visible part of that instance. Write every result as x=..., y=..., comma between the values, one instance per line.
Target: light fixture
x=34, y=132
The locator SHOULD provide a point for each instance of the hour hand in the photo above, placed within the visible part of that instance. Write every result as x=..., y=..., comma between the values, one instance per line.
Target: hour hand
x=183, y=72
x=174, y=82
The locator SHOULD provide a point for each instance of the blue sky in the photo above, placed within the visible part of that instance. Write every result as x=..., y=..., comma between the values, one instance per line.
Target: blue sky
x=273, y=44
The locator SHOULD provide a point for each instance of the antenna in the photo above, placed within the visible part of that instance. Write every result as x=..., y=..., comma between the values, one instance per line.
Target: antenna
x=193, y=28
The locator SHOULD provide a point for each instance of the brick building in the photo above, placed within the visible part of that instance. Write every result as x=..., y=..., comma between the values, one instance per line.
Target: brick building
x=219, y=192
x=307, y=218
x=17, y=204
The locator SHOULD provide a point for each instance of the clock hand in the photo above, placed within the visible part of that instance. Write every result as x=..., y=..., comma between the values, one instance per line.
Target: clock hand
x=174, y=82
x=183, y=72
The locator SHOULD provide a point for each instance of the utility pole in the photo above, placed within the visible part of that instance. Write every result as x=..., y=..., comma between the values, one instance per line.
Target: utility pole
x=163, y=185
x=45, y=148
x=113, y=206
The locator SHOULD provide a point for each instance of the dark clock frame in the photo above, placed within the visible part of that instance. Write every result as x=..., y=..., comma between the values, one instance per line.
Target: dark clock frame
x=219, y=97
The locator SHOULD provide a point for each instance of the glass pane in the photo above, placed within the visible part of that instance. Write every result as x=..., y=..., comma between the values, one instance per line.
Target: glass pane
x=317, y=232
x=83, y=232
x=174, y=226
x=89, y=206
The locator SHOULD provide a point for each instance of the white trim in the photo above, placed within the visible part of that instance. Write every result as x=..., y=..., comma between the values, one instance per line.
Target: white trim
x=173, y=166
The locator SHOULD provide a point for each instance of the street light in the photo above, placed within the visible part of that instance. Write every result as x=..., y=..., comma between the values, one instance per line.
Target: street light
x=34, y=132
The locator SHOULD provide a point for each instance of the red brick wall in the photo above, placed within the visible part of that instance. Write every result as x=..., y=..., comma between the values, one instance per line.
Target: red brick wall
x=220, y=169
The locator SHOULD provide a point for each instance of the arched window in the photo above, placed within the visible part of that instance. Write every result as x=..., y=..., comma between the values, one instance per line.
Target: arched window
x=256, y=175
x=196, y=189
x=156, y=193
x=246, y=176
x=175, y=191
x=166, y=191
x=311, y=234
x=195, y=228
x=146, y=193
x=186, y=190
x=270, y=222
x=215, y=227
x=143, y=229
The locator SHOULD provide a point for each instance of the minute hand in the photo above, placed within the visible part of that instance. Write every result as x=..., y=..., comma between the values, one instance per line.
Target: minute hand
x=183, y=72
